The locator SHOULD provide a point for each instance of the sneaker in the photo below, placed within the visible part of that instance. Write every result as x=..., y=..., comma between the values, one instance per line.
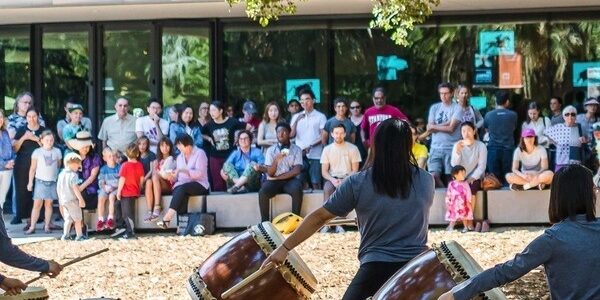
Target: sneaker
x=325, y=229
x=478, y=227
x=233, y=190
x=66, y=237
x=127, y=236
x=527, y=186
x=339, y=229
x=81, y=238
x=241, y=190
x=110, y=224
x=515, y=187
x=485, y=226
x=118, y=232
x=100, y=225
x=148, y=217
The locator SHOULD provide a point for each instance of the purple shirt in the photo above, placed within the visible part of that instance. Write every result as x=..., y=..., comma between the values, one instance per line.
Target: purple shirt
x=87, y=165
x=197, y=166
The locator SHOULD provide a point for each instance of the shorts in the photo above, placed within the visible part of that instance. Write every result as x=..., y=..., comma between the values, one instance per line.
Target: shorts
x=475, y=187
x=44, y=190
x=72, y=211
x=439, y=161
x=103, y=194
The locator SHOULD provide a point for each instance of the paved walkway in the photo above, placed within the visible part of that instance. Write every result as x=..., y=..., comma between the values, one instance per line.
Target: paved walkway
x=18, y=236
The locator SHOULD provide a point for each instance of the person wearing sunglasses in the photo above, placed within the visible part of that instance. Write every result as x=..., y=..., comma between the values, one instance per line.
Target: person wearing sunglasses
x=568, y=138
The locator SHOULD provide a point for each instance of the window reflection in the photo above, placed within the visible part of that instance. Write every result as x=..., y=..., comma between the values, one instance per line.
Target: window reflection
x=14, y=65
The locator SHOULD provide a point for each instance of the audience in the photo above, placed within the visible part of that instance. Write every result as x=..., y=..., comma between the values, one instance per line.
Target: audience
x=75, y=124
x=90, y=167
x=283, y=162
x=379, y=112
x=356, y=116
x=469, y=113
x=238, y=170
x=161, y=182
x=203, y=115
x=419, y=151
x=502, y=142
x=459, y=202
x=530, y=164
x=587, y=119
x=7, y=159
x=565, y=136
x=537, y=123
x=152, y=126
x=186, y=124
x=69, y=197
x=267, y=136
x=18, y=119
x=131, y=177
x=60, y=125
x=108, y=183
x=293, y=107
x=340, y=106
x=249, y=112
x=556, y=110
x=118, y=131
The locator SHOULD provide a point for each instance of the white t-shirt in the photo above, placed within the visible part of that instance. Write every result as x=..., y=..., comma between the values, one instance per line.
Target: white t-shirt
x=530, y=162
x=308, y=132
x=47, y=163
x=340, y=158
x=66, y=179
x=148, y=127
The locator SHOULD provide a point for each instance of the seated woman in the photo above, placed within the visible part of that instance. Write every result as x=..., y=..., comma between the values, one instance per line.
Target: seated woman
x=159, y=183
x=567, y=250
x=238, y=170
x=533, y=159
x=190, y=177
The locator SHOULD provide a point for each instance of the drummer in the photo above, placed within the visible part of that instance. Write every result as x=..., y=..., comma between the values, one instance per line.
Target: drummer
x=391, y=196
x=13, y=256
x=568, y=250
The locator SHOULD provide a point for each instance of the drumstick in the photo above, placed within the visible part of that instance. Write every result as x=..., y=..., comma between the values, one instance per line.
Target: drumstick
x=247, y=280
x=341, y=222
x=73, y=261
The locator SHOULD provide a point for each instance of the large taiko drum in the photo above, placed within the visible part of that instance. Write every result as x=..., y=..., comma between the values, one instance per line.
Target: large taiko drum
x=433, y=273
x=240, y=258
x=31, y=293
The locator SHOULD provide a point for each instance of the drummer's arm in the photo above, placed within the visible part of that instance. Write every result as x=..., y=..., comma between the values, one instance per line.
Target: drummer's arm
x=15, y=257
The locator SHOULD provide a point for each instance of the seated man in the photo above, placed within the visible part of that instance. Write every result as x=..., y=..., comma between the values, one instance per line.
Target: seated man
x=238, y=170
x=339, y=160
x=283, y=162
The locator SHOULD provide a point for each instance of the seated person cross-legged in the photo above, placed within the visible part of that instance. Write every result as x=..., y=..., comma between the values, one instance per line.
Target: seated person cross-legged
x=339, y=160
x=238, y=170
x=283, y=162
x=533, y=160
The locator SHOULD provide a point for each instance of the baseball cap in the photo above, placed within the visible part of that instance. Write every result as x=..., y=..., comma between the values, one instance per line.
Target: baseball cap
x=528, y=132
x=75, y=107
x=591, y=101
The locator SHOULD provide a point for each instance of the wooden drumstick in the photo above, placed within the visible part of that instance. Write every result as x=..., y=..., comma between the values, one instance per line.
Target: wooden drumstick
x=341, y=222
x=73, y=261
x=247, y=280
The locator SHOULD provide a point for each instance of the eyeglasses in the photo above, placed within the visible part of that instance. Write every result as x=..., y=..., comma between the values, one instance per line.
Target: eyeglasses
x=354, y=107
x=570, y=115
x=203, y=107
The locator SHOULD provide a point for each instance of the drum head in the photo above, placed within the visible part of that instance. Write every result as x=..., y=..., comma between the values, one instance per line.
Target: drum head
x=31, y=293
x=297, y=267
x=457, y=260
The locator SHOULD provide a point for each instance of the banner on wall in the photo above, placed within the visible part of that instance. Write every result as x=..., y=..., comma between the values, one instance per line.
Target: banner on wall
x=497, y=43
x=484, y=74
x=509, y=71
x=593, y=75
x=389, y=66
x=293, y=86
x=580, y=72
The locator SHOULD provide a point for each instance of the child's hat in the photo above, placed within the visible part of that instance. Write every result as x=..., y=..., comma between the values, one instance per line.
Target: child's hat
x=71, y=156
x=596, y=126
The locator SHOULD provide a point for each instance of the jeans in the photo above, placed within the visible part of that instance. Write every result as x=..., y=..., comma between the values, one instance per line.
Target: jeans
x=499, y=161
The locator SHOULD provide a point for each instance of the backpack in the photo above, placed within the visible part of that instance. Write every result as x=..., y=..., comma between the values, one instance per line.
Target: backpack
x=196, y=224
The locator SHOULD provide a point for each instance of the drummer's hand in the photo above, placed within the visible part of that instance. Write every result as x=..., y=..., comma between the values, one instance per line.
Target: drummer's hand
x=54, y=269
x=277, y=257
x=12, y=286
x=447, y=296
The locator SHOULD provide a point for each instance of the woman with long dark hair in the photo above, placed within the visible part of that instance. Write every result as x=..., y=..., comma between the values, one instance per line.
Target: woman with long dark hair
x=568, y=250
x=391, y=197
x=187, y=124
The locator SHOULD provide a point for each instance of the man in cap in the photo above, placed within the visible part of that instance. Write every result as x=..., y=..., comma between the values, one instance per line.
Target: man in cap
x=589, y=117
x=75, y=125
x=60, y=125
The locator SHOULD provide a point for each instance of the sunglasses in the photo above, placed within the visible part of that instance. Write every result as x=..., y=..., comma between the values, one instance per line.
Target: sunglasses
x=354, y=107
x=570, y=115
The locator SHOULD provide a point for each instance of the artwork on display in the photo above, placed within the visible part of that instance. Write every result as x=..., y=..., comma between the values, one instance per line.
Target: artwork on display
x=478, y=102
x=510, y=75
x=484, y=74
x=389, y=66
x=580, y=72
x=293, y=86
x=593, y=75
x=497, y=43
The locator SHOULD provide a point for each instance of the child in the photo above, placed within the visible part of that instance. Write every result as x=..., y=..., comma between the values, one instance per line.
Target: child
x=131, y=178
x=69, y=196
x=162, y=179
x=458, y=200
x=45, y=162
x=108, y=182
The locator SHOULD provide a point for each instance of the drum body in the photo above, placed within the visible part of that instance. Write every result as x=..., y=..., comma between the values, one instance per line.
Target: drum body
x=31, y=293
x=242, y=256
x=433, y=273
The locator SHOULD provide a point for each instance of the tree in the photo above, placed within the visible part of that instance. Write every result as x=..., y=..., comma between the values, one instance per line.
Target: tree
x=397, y=16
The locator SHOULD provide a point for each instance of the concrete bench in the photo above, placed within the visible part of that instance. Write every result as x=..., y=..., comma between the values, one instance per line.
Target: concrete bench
x=518, y=207
x=437, y=212
x=234, y=211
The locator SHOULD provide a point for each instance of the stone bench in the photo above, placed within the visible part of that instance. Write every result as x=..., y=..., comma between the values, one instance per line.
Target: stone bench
x=518, y=207
x=437, y=212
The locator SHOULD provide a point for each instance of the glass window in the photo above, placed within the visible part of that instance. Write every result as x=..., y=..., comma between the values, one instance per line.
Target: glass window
x=65, y=72
x=127, y=69
x=14, y=65
x=270, y=65
x=185, y=65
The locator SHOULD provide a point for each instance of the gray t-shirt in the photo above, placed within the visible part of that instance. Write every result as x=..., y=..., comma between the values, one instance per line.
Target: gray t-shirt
x=441, y=114
x=333, y=122
x=530, y=162
x=391, y=229
x=501, y=124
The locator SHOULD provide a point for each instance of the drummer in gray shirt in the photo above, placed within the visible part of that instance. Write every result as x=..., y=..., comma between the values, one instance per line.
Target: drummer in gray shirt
x=568, y=250
x=391, y=197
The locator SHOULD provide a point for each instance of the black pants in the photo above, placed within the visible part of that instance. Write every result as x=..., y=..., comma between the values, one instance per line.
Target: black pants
x=369, y=278
x=270, y=188
x=24, y=198
x=182, y=194
x=127, y=212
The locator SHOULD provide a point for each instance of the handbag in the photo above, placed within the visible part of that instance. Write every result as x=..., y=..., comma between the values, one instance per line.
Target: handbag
x=490, y=182
x=196, y=224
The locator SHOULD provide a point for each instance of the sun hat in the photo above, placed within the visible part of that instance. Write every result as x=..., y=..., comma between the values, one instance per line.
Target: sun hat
x=592, y=101
x=71, y=156
x=82, y=139
x=528, y=132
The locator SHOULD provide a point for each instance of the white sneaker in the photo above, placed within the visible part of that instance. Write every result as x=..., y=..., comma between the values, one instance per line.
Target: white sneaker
x=339, y=229
x=325, y=229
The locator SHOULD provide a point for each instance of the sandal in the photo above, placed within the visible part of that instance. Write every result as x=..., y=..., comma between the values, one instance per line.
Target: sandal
x=163, y=224
x=28, y=232
x=47, y=230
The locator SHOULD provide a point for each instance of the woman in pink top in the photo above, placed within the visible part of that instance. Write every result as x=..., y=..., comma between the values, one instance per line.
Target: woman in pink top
x=190, y=177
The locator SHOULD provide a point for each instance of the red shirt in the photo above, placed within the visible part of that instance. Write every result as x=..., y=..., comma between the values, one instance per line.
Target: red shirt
x=374, y=116
x=132, y=172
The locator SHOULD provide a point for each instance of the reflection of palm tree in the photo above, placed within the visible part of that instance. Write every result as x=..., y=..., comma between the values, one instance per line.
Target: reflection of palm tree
x=185, y=67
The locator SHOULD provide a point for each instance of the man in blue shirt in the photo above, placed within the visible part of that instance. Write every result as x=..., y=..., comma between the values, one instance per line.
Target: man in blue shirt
x=501, y=124
x=238, y=170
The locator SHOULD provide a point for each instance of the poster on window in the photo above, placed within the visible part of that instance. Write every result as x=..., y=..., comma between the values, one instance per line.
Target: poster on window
x=593, y=75
x=389, y=66
x=497, y=43
x=580, y=72
x=509, y=71
x=484, y=74
x=293, y=86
